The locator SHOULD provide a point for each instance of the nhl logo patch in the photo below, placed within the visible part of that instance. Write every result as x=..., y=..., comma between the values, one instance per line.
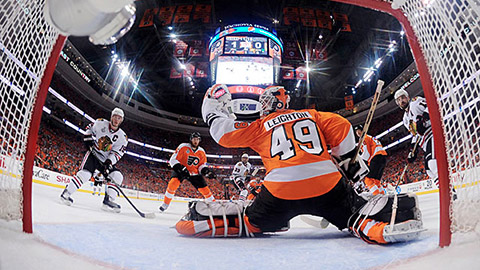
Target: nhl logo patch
x=188, y=151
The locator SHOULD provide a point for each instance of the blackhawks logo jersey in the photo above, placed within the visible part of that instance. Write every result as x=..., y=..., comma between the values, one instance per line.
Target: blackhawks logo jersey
x=193, y=160
x=108, y=144
x=293, y=147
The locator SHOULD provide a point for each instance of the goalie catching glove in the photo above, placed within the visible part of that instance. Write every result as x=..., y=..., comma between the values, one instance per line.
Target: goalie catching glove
x=217, y=102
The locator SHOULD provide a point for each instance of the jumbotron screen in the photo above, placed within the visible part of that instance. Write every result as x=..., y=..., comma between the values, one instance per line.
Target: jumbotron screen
x=245, y=70
x=245, y=45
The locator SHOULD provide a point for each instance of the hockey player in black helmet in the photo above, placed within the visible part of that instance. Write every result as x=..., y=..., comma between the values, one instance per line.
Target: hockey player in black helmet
x=189, y=162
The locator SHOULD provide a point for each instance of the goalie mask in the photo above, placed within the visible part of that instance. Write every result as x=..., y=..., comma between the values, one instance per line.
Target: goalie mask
x=274, y=98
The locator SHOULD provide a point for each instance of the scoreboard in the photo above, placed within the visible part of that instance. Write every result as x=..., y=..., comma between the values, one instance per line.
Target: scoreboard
x=247, y=58
x=245, y=45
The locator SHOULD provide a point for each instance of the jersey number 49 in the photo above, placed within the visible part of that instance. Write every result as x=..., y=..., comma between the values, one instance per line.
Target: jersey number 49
x=305, y=135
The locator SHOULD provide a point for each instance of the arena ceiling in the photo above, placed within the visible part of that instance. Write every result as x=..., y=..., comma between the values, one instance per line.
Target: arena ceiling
x=350, y=47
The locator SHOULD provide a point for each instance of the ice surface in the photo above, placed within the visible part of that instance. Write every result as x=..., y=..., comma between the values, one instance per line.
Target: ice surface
x=83, y=236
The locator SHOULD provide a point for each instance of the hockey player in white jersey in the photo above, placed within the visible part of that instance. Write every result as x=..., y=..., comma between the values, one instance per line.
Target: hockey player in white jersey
x=417, y=120
x=240, y=176
x=106, y=143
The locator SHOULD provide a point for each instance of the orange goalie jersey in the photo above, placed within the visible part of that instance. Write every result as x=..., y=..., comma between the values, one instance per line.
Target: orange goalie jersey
x=293, y=148
x=372, y=147
x=193, y=160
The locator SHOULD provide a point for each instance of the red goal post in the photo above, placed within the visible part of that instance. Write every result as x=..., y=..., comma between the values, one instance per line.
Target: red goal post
x=29, y=51
x=444, y=37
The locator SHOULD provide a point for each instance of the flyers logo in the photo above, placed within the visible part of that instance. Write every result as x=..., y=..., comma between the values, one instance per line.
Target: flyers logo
x=192, y=160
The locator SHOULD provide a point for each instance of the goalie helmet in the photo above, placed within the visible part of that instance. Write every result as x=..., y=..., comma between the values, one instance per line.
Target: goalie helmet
x=274, y=98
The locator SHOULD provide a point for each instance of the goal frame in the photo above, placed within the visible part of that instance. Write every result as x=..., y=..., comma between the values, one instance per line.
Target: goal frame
x=33, y=133
x=435, y=117
x=434, y=110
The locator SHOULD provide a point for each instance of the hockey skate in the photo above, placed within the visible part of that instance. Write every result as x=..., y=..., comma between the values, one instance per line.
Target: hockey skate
x=65, y=197
x=110, y=206
x=163, y=207
x=404, y=231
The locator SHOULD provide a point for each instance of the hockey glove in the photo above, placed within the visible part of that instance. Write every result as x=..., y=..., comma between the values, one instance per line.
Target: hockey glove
x=107, y=168
x=352, y=171
x=181, y=170
x=207, y=173
x=412, y=156
x=88, y=141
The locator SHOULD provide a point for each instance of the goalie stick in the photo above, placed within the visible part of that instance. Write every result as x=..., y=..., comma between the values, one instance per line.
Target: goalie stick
x=395, y=198
x=369, y=119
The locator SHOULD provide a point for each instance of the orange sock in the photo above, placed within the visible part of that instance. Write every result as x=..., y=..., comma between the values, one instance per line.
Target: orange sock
x=171, y=188
x=207, y=194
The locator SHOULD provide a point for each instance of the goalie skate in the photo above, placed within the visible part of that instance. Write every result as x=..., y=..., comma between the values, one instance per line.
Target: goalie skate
x=405, y=231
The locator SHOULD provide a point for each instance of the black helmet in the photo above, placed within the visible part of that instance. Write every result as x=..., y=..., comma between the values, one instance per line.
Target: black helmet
x=195, y=135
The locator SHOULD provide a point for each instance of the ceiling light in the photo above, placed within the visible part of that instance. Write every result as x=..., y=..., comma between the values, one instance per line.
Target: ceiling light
x=170, y=28
x=173, y=35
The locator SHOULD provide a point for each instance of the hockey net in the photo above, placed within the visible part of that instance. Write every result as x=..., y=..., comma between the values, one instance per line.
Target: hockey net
x=26, y=44
x=449, y=36
x=445, y=39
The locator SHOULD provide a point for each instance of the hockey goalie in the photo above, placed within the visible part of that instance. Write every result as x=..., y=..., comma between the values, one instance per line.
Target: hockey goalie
x=301, y=176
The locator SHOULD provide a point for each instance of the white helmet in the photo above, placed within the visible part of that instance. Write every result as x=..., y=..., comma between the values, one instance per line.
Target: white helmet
x=245, y=155
x=117, y=111
x=272, y=99
x=400, y=93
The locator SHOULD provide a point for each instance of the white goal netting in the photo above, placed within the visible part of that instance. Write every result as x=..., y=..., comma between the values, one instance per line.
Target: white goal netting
x=449, y=35
x=26, y=42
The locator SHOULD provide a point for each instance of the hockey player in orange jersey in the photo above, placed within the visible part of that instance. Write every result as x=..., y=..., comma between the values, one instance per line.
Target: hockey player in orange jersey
x=375, y=155
x=300, y=176
x=188, y=162
x=253, y=187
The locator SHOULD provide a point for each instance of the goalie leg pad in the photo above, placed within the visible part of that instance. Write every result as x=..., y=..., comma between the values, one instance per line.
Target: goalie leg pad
x=215, y=219
x=371, y=222
x=380, y=208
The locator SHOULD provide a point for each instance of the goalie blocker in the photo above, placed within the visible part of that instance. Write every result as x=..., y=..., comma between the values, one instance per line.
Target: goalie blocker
x=341, y=206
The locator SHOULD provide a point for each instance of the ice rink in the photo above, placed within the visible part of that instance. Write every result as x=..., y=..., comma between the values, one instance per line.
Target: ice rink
x=83, y=236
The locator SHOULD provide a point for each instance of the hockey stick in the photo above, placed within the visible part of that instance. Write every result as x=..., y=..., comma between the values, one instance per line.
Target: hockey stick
x=395, y=196
x=370, y=114
x=143, y=215
x=255, y=171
